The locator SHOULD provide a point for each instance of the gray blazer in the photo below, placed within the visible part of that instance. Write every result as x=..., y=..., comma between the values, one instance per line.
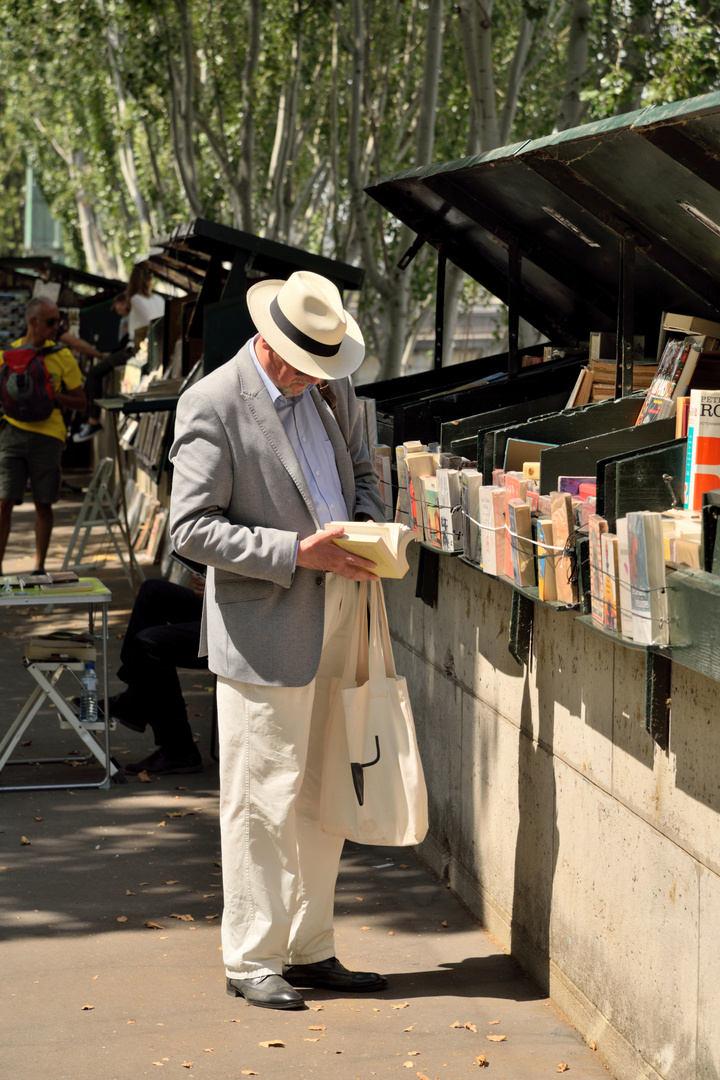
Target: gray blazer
x=240, y=503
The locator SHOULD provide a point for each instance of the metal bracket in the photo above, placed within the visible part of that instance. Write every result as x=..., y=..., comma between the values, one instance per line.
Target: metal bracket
x=658, y=669
x=411, y=252
x=521, y=627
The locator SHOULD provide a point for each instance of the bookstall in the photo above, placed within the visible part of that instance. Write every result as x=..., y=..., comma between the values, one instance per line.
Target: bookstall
x=211, y=266
x=563, y=662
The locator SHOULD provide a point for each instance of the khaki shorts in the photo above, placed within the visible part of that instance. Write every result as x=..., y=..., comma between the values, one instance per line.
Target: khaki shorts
x=27, y=454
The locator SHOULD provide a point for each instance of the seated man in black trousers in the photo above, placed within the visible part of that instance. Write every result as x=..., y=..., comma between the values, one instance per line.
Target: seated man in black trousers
x=163, y=634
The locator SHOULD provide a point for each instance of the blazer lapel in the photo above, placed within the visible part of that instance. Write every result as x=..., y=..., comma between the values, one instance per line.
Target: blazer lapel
x=262, y=409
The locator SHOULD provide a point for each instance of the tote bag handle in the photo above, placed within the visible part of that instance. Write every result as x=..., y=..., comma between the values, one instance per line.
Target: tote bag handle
x=381, y=661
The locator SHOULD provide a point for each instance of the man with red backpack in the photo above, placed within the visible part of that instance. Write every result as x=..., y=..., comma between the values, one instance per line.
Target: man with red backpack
x=38, y=379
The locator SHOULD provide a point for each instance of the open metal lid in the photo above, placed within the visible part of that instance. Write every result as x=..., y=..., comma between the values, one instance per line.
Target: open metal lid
x=564, y=204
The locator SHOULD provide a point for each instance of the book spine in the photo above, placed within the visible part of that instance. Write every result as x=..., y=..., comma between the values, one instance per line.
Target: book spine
x=597, y=525
x=448, y=499
x=704, y=472
x=546, y=560
x=625, y=602
x=611, y=617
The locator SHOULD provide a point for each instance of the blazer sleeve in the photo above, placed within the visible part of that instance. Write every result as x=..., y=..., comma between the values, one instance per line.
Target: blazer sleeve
x=206, y=482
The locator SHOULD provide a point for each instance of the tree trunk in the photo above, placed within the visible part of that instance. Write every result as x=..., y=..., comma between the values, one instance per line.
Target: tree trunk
x=571, y=107
x=126, y=148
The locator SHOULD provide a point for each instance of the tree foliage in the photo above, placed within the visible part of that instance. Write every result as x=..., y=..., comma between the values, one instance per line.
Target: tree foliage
x=138, y=115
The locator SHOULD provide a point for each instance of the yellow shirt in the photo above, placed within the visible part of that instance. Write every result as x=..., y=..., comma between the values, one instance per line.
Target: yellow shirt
x=66, y=374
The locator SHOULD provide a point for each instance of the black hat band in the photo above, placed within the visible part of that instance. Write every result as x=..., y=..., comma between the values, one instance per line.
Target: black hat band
x=297, y=337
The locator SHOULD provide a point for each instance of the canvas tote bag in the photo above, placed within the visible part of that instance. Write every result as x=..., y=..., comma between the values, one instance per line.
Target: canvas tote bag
x=373, y=788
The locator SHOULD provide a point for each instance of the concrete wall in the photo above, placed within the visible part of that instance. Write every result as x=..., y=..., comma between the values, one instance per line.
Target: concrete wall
x=590, y=854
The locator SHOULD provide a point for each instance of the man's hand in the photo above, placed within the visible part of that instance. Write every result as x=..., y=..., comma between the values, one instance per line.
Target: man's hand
x=319, y=553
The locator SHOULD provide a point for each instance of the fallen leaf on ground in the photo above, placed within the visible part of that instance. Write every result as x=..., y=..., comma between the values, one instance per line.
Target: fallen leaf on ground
x=364, y=927
x=317, y=1027
x=402, y=1005
x=413, y=1053
x=186, y=1064
x=37, y=819
x=248, y=1072
x=272, y=1042
x=219, y=864
x=407, y=1064
x=86, y=1008
x=236, y=1020
x=563, y=1066
x=132, y=1021
x=493, y=1021
x=161, y=824
x=482, y=1061
x=444, y=922
x=173, y=882
x=26, y=742
x=154, y=926
x=316, y=1039
x=456, y=1024
x=422, y=1076
x=183, y=918
x=317, y=1008
x=470, y=1027
x=359, y=897
x=178, y=813
x=95, y=977
x=160, y=1063
x=208, y=1049
x=410, y=1028
x=211, y=917
x=592, y=1045
x=144, y=779
x=122, y=918
x=496, y=1038
x=23, y=841
x=129, y=892
x=391, y=933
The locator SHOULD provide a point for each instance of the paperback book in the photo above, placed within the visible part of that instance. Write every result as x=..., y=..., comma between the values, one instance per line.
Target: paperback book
x=448, y=492
x=520, y=534
x=384, y=543
x=492, y=528
x=702, y=463
x=647, y=578
x=546, y=559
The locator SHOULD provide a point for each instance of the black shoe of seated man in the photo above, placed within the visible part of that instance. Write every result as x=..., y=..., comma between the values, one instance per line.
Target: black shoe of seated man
x=268, y=992
x=163, y=763
x=331, y=975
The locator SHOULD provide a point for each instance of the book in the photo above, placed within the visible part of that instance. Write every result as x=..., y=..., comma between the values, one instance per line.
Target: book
x=383, y=468
x=81, y=585
x=563, y=523
x=647, y=578
x=431, y=510
x=702, y=463
x=448, y=491
x=515, y=488
x=597, y=525
x=62, y=578
x=546, y=560
x=625, y=602
x=402, y=505
x=384, y=543
x=418, y=464
x=681, y=417
x=194, y=567
x=691, y=324
x=611, y=584
x=571, y=484
x=520, y=535
x=676, y=367
x=491, y=509
x=470, y=487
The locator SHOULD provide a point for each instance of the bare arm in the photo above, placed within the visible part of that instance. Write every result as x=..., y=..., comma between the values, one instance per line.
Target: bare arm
x=72, y=399
x=78, y=345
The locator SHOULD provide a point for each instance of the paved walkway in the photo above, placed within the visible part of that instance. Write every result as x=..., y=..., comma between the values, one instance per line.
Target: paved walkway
x=110, y=904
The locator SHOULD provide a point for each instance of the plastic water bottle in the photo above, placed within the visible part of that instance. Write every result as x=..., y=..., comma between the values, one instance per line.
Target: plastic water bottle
x=88, y=712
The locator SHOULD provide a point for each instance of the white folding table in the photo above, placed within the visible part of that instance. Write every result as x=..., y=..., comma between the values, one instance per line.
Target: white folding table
x=46, y=674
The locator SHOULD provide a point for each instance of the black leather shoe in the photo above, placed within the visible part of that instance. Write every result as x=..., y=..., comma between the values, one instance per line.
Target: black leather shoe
x=331, y=975
x=269, y=992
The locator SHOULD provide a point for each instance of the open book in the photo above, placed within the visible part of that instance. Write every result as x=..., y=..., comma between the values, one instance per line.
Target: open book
x=384, y=543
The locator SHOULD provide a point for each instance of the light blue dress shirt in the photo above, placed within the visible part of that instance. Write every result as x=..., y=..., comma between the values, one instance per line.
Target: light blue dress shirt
x=313, y=449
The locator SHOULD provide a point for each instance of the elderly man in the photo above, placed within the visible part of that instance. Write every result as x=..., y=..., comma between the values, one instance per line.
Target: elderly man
x=33, y=449
x=261, y=463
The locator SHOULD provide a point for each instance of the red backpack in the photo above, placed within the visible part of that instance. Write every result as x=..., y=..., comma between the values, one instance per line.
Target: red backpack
x=27, y=389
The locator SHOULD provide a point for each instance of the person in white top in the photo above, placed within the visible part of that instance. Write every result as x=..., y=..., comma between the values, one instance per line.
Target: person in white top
x=145, y=305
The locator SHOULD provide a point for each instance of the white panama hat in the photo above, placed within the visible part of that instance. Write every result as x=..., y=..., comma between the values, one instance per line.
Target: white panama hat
x=304, y=321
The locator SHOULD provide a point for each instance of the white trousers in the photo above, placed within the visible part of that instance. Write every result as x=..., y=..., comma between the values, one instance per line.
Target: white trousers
x=279, y=868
